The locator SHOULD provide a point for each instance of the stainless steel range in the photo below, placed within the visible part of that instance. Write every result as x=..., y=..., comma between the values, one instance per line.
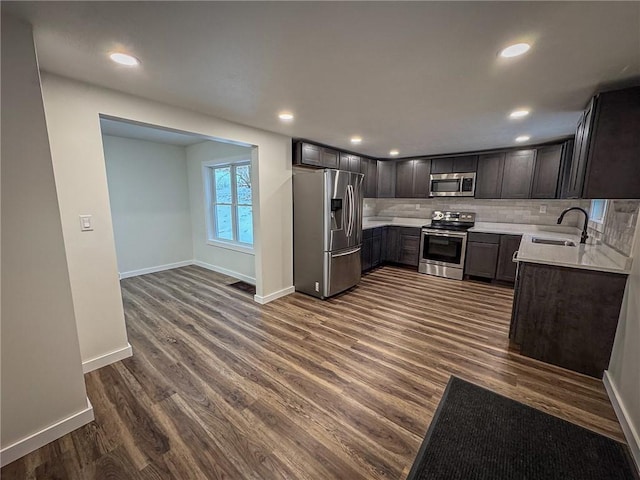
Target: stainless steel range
x=443, y=244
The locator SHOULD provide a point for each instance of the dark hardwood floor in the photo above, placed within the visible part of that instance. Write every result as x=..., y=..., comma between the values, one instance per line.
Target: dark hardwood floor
x=221, y=387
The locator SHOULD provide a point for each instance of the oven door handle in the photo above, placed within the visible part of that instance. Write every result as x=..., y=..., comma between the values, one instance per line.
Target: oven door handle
x=442, y=234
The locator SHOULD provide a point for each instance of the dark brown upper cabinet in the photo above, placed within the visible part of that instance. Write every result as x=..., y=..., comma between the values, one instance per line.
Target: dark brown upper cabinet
x=369, y=168
x=315, y=155
x=459, y=164
x=546, y=174
x=518, y=174
x=606, y=158
x=349, y=162
x=489, y=176
x=386, y=179
x=412, y=178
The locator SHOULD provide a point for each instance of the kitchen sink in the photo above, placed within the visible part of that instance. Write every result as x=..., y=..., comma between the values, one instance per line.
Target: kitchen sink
x=553, y=241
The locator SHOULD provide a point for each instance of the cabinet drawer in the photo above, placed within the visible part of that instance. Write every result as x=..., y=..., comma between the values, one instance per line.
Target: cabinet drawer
x=377, y=231
x=410, y=231
x=484, y=237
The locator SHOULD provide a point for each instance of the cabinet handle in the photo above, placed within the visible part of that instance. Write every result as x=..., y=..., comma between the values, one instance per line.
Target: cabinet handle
x=514, y=258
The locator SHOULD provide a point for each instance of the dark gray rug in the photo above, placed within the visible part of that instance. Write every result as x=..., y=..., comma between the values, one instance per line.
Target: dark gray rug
x=477, y=434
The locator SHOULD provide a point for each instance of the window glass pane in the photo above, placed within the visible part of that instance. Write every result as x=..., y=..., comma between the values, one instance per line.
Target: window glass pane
x=597, y=210
x=243, y=184
x=224, y=229
x=222, y=178
x=245, y=224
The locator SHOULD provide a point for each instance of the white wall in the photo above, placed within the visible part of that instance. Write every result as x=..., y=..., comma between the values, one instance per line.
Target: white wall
x=72, y=110
x=233, y=262
x=624, y=368
x=42, y=381
x=149, y=198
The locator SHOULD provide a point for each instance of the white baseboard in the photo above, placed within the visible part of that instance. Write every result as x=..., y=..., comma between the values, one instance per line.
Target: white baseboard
x=272, y=296
x=107, y=359
x=629, y=430
x=46, y=435
x=159, y=268
x=224, y=271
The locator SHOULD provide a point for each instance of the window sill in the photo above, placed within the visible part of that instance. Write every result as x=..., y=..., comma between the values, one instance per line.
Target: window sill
x=231, y=246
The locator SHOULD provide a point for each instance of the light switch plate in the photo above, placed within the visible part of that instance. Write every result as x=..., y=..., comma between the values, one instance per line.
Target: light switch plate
x=543, y=209
x=86, y=223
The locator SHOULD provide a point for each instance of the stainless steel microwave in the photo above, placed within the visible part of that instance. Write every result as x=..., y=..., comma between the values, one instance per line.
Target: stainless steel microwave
x=452, y=184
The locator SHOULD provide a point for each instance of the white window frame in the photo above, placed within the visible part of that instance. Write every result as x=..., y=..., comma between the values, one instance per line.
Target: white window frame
x=598, y=223
x=208, y=169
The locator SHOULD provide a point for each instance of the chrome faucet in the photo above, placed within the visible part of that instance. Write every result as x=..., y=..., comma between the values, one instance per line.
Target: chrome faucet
x=584, y=236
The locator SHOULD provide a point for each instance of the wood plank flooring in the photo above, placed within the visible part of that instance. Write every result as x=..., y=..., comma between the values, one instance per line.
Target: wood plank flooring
x=221, y=387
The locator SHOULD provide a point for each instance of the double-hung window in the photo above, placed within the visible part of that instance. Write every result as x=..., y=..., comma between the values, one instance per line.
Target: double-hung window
x=229, y=203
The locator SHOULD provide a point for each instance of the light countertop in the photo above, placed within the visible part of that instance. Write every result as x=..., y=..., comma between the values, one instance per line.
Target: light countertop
x=588, y=257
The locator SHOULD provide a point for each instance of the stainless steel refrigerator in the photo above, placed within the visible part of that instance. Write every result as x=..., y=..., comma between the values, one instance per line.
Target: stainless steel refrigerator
x=327, y=231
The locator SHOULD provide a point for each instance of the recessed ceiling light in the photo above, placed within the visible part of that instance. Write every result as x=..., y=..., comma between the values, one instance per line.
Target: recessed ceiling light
x=515, y=50
x=522, y=138
x=124, y=59
x=393, y=153
x=356, y=140
x=519, y=113
x=285, y=116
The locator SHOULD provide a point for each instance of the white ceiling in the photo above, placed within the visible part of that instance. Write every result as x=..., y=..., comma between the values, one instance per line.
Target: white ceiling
x=119, y=128
x=422, y=77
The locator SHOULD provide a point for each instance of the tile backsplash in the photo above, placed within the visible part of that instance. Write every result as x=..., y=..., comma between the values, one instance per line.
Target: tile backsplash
x=618, y=228
x=619, y=225
x=502, y=211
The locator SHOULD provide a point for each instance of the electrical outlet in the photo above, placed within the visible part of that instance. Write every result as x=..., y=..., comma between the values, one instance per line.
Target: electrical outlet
x=417, y=206
x=543, y=209
x=317, y=286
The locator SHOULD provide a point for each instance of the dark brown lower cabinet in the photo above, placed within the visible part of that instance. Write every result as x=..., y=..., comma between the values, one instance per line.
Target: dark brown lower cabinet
x=482, y=259
x=490, y=256
x=400, y=245
x=506, y=269
x=409, y=249
x=371, y=252
x=567, y=316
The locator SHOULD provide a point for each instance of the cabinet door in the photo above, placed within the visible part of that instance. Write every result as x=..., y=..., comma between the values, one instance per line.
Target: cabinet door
x=421, y=172
x=509, y=244
x=354, y=164
x=310, y=154
x=546, y=175
x=345, y=161
x=465, y=164
x=392, y=253
x=330, y=158
x=365, y=253
x=489, y=177
x=386, y=179
x=580, y=154
x=369, y=168
x=404, y=179
x=376, y=245
x=409, y=250
x=481, y=259
x=349, y=162
x=518, y=174
x=383, y=244
x=442, y=165
x=613, y=165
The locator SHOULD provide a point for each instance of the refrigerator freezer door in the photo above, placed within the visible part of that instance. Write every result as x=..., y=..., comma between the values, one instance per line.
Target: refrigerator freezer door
x=343, y=207
x=342, y=270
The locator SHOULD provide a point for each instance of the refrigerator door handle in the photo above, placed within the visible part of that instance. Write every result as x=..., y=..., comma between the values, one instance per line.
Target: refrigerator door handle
x=349, y=252
x=352, y=208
